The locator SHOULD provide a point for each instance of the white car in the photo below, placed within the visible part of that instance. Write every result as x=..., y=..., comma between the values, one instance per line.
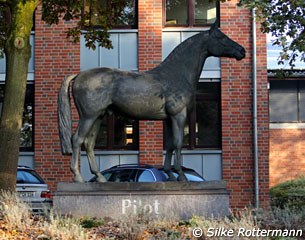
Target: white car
x=33, y=190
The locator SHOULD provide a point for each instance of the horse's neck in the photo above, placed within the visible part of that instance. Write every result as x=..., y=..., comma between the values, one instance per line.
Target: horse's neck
x=184, y=64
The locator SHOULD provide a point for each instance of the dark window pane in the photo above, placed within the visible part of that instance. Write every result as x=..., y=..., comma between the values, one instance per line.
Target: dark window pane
x=283, y=101
x=205, y=12
x=126, y=175
x=26, y=134
x=124, y=131
x=203, y=126
x=176, y=12
x=127, y=15
x=117, y=132
x=101, y=140
x=208, y=124
x=302, y=101
x=186, y=134
x=208, y=119
x=118, y=13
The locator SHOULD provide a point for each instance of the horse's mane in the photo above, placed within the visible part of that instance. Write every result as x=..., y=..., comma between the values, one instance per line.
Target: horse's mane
x=184, y=46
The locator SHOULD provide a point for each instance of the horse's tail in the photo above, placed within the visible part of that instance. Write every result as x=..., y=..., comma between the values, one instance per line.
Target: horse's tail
x=65, y=116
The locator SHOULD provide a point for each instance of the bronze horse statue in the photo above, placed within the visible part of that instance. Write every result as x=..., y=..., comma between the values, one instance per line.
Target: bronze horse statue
x=166, y=92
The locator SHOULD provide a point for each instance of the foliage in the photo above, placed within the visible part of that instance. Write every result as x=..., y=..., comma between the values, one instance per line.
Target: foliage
x=93, y=17
x=285, y=21
x=290, y=194
x=91, y=222
x=17, y=222
x=15, y=213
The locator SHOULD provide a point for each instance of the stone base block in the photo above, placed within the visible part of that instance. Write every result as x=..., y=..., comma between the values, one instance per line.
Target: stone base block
x=164, y=200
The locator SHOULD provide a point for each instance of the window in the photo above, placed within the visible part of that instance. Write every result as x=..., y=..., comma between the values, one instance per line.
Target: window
x=190, y=12
x=26, y=135
x=118, y=132
x=203, y=126
x=28, y=177
x=145, y=176
x=287, y=100
x=127, y=175
x=117, y=13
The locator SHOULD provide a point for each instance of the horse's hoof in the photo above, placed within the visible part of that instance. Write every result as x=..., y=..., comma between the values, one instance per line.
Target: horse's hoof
x=172, y=179
x=182, y=178
x=101, y=179
x=78, y=179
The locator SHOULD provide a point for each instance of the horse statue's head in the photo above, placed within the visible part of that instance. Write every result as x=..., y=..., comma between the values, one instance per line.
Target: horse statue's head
x=220, y=45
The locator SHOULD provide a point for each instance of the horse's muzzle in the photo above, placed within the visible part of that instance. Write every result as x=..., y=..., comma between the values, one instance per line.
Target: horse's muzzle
x=242, y=54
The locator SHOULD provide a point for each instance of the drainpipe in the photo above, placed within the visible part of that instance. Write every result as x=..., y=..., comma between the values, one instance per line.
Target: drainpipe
x=255, y=134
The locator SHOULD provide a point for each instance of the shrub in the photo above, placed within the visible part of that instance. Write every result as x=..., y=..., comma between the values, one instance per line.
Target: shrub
x=289, y=194
x=15, y=213
x=91, y=222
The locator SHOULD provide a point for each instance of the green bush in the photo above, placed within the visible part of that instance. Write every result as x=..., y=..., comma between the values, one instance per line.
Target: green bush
x=91, y=222
x=289, y=194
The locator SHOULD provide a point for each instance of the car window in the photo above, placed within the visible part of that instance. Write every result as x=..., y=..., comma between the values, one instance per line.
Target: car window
x=145, y=176
x=193, y=178
x=107, y=175
x=190, y=177
x=122, y=175
x=28, y=177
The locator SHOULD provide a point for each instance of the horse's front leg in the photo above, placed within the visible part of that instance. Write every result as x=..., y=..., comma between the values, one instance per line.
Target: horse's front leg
x=178, y=122
x=169, y=146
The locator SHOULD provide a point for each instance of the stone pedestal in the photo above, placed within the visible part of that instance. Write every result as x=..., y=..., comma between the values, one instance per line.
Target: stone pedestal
x=171, y=200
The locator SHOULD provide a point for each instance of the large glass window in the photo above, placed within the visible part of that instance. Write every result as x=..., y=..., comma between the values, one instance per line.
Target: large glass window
x=26, y=134
x=118, y=132
x=287, y=101
x=190, y=12
x=203, y=127
x=117, y=13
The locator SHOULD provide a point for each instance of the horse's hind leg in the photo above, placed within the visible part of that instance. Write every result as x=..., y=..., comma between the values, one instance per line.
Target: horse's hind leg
x=83, y=129
x=89, y=144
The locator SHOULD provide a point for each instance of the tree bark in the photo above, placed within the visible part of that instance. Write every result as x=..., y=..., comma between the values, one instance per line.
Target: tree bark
x=18, y=52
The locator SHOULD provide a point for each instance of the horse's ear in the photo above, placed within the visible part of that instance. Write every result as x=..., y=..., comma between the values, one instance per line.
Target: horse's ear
x=215, y=25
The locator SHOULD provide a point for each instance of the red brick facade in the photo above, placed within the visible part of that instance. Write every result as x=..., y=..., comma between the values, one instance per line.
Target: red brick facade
x=287, y=154
x=55, y=58
x=150, y=55
x=237, y=130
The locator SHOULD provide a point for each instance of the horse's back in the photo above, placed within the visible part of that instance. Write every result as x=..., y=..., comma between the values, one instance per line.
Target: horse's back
x=140, y=96
x=136, y=94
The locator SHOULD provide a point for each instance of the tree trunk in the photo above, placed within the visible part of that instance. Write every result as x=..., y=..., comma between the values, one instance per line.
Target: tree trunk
x=17, y=51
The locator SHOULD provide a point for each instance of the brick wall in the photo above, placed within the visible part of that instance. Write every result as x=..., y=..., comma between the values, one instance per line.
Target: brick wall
x=237, y=131
x=55, y=58
x=287, y=154
x=150, y=55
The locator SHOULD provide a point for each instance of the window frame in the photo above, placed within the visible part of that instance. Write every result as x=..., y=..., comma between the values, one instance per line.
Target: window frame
x=190, y=16
x=31, y=85
x=191, y=121
x=114, y=26
x=111, y=145
x=297, y=81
